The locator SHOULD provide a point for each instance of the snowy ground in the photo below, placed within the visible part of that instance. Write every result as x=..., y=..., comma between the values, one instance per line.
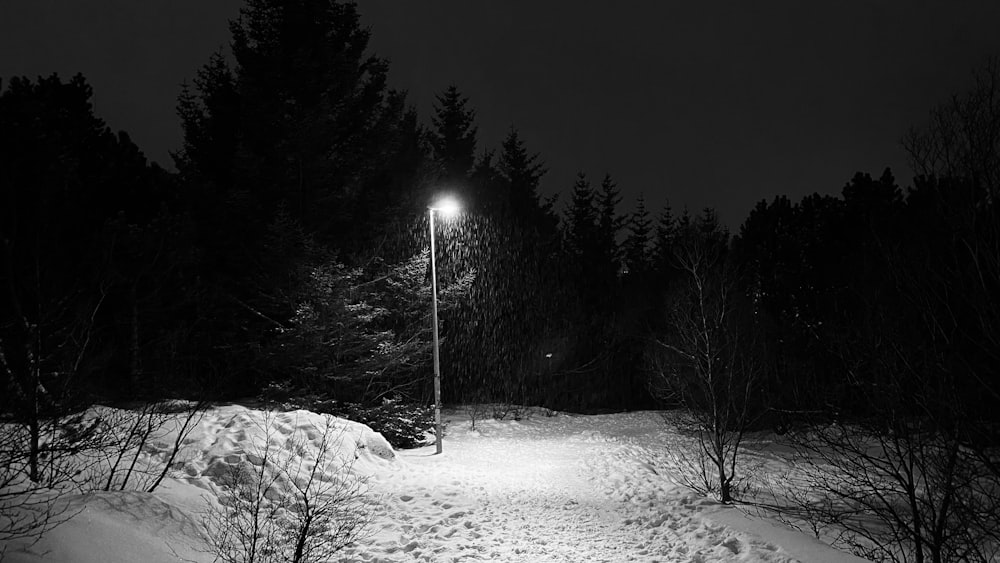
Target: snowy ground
x=545, y=489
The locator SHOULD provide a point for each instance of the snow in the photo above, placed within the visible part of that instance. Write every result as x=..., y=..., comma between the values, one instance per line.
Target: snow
x=543, y=489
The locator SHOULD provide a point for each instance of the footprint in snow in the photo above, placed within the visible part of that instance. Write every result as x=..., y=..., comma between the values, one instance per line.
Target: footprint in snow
x=733, y=545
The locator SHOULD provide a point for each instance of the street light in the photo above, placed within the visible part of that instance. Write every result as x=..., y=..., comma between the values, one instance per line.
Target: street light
x=447, y=207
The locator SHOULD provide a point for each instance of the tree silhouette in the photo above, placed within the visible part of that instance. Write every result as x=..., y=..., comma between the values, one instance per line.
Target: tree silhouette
x=638, y=240
x=453, y=138
x=303, y=128
x=521, y=173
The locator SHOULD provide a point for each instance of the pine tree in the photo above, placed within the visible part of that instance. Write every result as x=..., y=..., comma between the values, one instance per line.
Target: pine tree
x=304, y=118
x=581, y=220
x=209, y=120
x=637, y=241
x=302, y=123
x=711, y=229
x=522, y=173
x=453, y=138
x=609, y=225
x=485, y=192
x=666, y=235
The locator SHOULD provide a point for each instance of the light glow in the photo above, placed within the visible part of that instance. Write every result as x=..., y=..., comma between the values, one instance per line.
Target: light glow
x=447, y=206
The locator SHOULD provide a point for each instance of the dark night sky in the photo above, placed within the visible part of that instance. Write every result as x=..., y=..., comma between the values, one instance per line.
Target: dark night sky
x=704, y=103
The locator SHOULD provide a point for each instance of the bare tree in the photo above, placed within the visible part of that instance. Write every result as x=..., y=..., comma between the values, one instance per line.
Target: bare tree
x=127, y=435
x=900, y=484
x=96, y=449
x=962, y=136
x=40, y=371
x=915, y=476
x=703, y=364
x=907, y=471
x=28, y=509
x=291, y=501
x=46, y=351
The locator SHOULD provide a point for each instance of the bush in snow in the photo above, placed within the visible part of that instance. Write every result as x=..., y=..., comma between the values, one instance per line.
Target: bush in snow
x=294, y=498
x=100, y=448
x=28, y=508
x=128, y=435
x=403, y=425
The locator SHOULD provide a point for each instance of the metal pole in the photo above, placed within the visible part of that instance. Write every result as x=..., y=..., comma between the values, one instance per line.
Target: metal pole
x=437, y=359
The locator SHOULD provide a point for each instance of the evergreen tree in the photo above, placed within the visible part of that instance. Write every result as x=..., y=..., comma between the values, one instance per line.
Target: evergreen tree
x=522, y=173
x=512, y=309
x=609, y=226
x=711, y=229
x=581, y=220
x=303, y=120
x=485, y=171
x=209, y=121
x=593, y=333
x=357, y=333
x=637, y=241
x=453, y=137
x=875, y=205
x=684, y=221
x=486, y=190
x=666, y=234
x=302, y=131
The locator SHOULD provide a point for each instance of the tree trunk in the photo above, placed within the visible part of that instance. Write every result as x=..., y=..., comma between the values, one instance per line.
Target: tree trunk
x=725, y=483
x=33, y=446
x=34, y=388
x=135, y=367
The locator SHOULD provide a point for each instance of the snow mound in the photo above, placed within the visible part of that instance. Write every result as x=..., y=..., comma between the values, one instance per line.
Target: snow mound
x=169, y=524
x=233, y=435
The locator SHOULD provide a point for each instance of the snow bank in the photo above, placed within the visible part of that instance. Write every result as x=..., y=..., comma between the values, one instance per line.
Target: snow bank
x=546, y=489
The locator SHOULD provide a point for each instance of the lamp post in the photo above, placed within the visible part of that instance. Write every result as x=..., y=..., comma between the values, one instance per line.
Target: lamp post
x=446, y=207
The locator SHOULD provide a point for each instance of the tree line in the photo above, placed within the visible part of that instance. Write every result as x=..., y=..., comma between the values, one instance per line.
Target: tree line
x=288, y=255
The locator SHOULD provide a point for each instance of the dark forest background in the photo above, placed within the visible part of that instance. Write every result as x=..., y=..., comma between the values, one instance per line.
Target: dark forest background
x=288, y=256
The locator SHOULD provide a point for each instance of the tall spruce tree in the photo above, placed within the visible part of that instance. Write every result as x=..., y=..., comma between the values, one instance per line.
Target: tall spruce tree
x=590, y=330
x=581, y=220
x=511, y=314
x=637, y=241
x=609, y=226
x=522, y=172
x=302, y=130
x=453, y=139
x=666, y=235
x=637, y=307
x=209, y=115
x=711, y=229
x=304, y=120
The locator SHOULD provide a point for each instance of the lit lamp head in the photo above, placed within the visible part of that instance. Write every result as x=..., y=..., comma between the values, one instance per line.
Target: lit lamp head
x=447, y=206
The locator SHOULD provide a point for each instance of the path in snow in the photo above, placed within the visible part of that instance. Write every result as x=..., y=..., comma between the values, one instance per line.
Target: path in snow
x=568, y=488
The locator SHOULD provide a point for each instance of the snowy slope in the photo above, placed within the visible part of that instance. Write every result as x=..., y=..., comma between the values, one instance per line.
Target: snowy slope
x=559, y=488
